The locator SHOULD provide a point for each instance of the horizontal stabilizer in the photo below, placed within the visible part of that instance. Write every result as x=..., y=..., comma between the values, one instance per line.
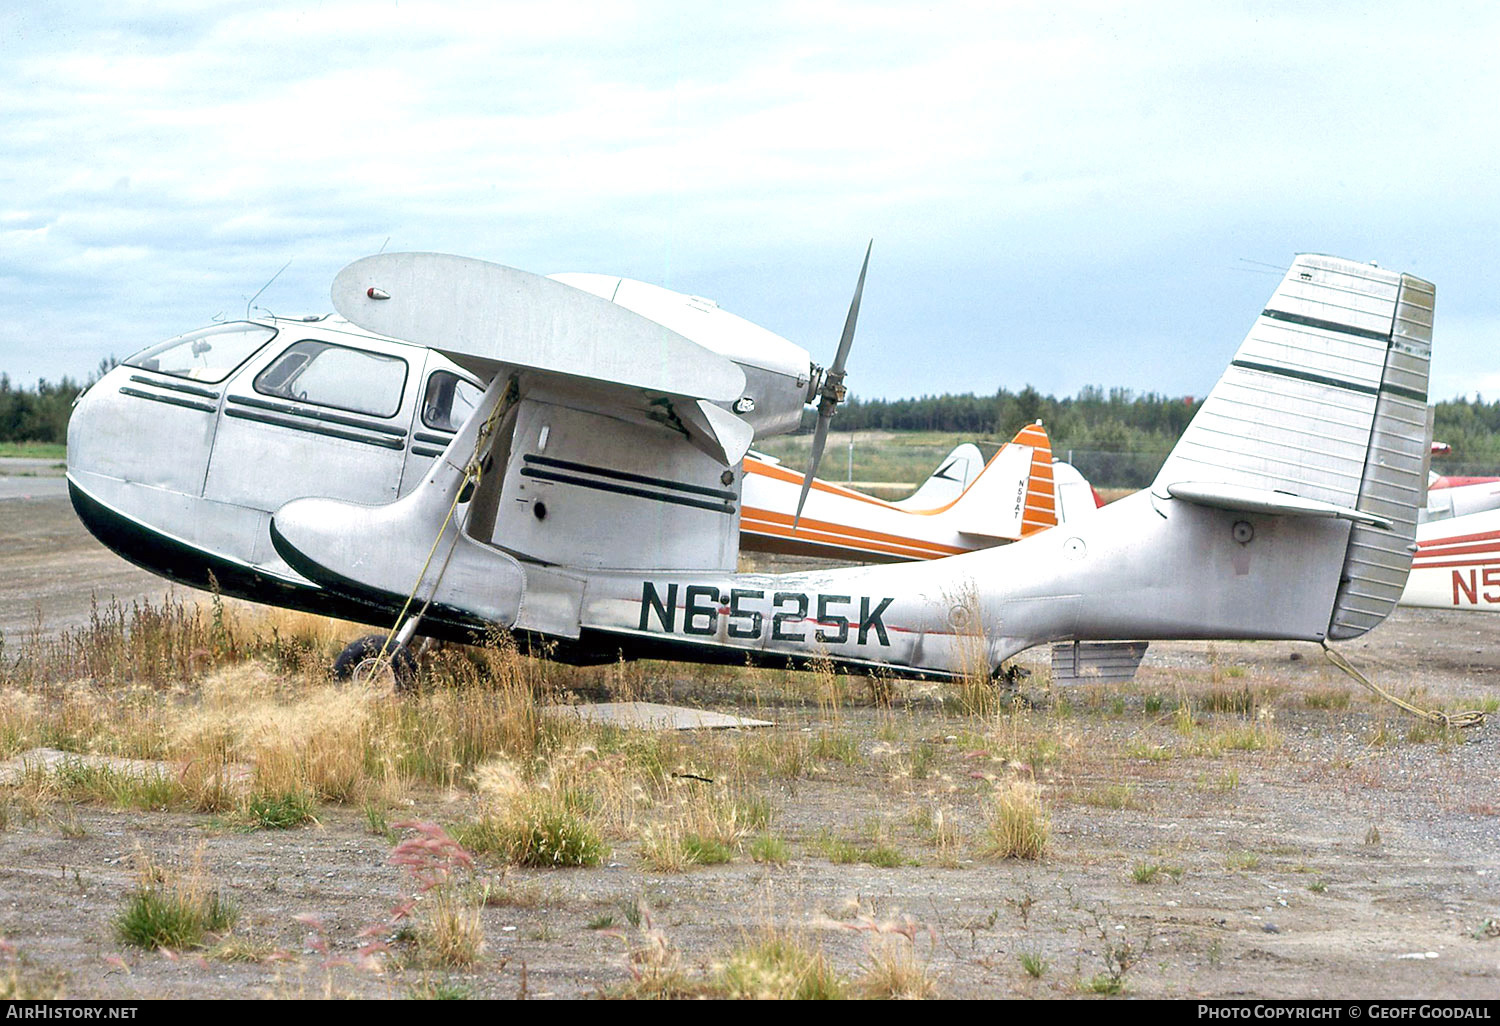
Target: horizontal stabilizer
x=1243, y=499
x=488, y=315
x=1096, y=662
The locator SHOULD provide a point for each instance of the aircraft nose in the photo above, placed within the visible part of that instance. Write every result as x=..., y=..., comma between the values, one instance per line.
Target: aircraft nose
x=84, y=428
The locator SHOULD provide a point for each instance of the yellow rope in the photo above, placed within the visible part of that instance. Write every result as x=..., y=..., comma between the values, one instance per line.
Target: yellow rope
x=1469, y=718
x=473, y=471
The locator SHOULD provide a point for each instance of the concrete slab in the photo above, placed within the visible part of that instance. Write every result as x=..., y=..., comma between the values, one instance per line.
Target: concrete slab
x=49, y=760
x=651, y=716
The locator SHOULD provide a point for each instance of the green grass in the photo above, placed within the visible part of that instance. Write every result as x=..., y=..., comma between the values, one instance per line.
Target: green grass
x=1256, y=737
x=837, y=747
x=702, y=850
x=1326, y=698
x=753, y=812
x=1223, y=783
x=155, y=917
x=440, y=990
x=1242, y=860
x=280, y=811
x=544, y=830
x=34, y=450
x=780, y=966
x=1229, y=700
x=1149, y=872
x=1103, y=983
x=1149, y=753
x=770, y=849
x=1034, y=964
x=122, y=789
x=880, y=854
x=1111, y=796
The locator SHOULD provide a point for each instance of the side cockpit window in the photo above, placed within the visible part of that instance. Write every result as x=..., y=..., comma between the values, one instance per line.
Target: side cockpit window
x=449, y=401
x=209, y=355
x=328, y=375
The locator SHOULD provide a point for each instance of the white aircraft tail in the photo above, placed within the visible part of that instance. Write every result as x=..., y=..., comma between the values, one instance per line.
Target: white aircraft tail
x=954, y=473
x=1076, y=498
x=1013, y=496
x=1322, y=413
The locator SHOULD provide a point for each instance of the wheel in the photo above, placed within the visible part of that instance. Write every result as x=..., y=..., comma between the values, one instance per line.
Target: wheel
x=360, y=662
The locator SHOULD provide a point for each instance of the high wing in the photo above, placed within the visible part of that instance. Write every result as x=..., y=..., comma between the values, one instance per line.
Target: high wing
x=496, y=321
x=601, y=442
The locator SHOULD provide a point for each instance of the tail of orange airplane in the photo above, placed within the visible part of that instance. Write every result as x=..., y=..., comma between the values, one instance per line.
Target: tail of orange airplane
x=1014, y=494
x=954, y=473
x=1041, y=489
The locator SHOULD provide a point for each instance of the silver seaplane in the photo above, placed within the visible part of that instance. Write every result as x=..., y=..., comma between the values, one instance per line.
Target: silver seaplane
x=565, y=462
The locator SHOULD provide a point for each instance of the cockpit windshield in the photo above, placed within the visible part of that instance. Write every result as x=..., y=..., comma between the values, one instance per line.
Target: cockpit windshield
x=208, y=354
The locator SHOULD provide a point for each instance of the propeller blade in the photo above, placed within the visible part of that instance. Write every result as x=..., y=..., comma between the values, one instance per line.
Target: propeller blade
x=820, y=438
x=832, y=392
x=847, y=340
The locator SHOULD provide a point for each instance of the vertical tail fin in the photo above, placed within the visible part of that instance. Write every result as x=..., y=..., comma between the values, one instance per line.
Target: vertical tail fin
x=1325, y=402
x=1041, y=489
x=954, y=473
x=1014, y=495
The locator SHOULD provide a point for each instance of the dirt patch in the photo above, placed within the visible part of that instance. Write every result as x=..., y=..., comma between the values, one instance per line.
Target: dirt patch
x=53, y=570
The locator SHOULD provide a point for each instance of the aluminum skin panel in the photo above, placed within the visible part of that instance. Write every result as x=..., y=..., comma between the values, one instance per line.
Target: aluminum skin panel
x=776, y=370
x=587, y=490
x=139, y=427
x=1096, y=662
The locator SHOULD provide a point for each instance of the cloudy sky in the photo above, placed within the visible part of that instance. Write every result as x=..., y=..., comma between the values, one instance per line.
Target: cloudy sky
x=1059, y=194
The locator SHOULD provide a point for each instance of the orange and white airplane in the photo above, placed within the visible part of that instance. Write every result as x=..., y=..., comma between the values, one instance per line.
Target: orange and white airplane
x=965, y=505
x=1457, y=563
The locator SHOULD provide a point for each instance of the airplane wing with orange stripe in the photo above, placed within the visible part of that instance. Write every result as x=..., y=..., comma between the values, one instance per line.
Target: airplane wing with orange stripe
x=1011, y=497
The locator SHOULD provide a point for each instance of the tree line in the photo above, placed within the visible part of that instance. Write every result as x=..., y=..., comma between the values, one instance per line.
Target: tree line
x=36, y=414
x=1119, y=438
